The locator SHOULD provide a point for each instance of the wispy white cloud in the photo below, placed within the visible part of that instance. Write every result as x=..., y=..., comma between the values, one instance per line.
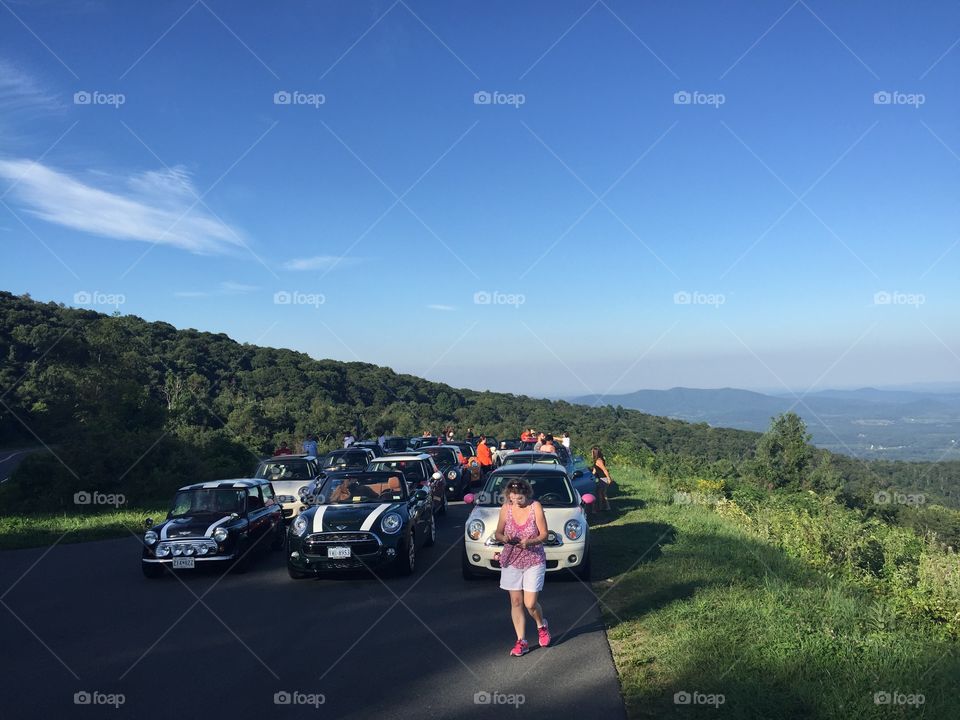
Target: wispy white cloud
x=22, y=94
x=158, y=206
x=444, y=308
x=224, y=288
x=320, y=262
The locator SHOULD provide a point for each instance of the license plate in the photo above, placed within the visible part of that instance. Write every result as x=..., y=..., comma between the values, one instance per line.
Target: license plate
x=338, y=553
x=183, y=563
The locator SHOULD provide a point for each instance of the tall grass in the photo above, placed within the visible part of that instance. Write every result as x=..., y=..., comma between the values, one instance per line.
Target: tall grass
x=23, y=531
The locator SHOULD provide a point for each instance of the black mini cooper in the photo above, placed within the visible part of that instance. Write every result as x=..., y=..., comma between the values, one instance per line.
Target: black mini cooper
x=361, y=520
x=220, y=522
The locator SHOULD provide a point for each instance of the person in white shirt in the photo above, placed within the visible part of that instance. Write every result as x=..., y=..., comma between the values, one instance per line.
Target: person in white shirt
x=566, y=440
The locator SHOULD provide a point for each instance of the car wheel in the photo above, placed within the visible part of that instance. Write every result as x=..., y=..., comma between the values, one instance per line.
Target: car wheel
x=466, y=568
x=151, y=570
x=407, y=557
x=297, y=574
x=431, y=532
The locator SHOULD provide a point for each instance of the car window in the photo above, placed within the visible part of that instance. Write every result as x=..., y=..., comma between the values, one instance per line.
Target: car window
x=551, y=490
x=353, y=490
x=254, y=500
x=268, y=494
x=411, y=469
x=221, y=501
x=284, y=470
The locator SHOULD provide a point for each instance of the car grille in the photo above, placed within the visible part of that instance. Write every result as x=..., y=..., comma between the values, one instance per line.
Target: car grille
x=361, y=543
x=177, y=548
x=551, y=564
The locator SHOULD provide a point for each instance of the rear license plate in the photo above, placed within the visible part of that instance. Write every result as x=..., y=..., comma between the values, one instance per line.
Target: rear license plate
x=338, y=553
x=181, y=563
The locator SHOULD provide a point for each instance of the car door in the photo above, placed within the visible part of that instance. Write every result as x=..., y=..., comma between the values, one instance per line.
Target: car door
x=273, y=510
x=258, y=521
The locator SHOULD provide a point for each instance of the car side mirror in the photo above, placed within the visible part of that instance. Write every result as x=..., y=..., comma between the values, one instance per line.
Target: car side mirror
x=148, y=523
x=577, y=474
x=469, y=498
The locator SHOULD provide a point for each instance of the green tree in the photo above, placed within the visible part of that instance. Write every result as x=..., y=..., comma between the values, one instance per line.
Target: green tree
x=784, y=452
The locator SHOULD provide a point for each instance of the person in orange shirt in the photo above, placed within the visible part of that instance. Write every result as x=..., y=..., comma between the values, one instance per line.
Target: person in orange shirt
x=484, y=456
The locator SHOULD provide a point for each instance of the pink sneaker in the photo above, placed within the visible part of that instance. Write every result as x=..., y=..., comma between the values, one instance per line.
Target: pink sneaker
x=521, y=648
x=544, y=633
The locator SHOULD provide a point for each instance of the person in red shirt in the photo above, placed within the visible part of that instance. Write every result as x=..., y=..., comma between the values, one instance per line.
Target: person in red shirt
x=484, y=456
x=282, y=450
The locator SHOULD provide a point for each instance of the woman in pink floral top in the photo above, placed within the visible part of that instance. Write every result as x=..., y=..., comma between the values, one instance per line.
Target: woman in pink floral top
x=523, y=528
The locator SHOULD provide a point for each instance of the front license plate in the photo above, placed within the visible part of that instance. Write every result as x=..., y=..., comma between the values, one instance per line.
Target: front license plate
x=182, y=563
x=338, y=553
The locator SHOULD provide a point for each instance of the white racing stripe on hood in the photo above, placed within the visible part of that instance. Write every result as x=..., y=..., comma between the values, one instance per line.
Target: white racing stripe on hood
x=318, y=518
x=218, y=523
x=371, y=518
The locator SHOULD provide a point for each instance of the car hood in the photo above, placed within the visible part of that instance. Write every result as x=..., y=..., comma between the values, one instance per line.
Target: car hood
x=191, y=526
x=349, y=518
x=556, y=518
x=289, y=487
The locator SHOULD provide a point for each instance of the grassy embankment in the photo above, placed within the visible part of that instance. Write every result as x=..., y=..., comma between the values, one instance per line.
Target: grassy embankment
x=696, y=601
x=23, y=531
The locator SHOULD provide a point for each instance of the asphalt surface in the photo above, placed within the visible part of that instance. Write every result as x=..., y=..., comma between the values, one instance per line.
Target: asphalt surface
x=9, y=459
x=81, y=618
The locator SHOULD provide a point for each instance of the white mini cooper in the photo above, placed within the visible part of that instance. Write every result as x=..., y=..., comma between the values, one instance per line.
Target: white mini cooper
x=568, y=540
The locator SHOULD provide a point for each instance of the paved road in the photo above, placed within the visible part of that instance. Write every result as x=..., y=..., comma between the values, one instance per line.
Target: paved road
x=9, y=459
x=419, y=647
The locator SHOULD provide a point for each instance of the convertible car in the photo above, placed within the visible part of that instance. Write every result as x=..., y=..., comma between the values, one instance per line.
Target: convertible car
x=361, y=520
x=220, y=522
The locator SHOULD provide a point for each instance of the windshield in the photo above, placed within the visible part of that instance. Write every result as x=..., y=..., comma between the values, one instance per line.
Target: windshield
x=412, y=469
x=510, y=445
x=467, y=450
x=221, y=501
x=284, y=470
x=551, y=490
x=395, y=444
x=347, y=459
x=536, y=458
x=354, y=490
x=444, y=457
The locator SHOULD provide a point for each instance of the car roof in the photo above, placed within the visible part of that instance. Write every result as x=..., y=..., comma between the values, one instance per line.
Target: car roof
x=403, y=456
x=278, y=458
x=532, y=468
x=455, y=448
x=235, y=483
x=535, y=453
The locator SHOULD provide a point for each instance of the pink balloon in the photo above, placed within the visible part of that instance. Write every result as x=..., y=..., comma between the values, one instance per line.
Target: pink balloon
x=588, y=498
x=469, y=498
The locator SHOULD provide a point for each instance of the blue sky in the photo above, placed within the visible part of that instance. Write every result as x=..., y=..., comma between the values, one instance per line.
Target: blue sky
x=544, y=198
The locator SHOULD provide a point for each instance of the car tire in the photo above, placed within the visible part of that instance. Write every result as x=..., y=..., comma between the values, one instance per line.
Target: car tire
x=406, y=561
x=466, y=569
x=431, y=533
x=297, y=574
x=151, y=570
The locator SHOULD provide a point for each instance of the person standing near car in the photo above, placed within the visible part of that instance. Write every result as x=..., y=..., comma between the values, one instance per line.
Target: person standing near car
x=282, y=450
x=310, y=445
x=602, y=475
x=348, y=439
x=522, y=528
x=566, y=440
x=547, y=445
x=484, y=456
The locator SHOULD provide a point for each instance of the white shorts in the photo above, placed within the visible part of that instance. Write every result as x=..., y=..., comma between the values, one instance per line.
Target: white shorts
x=529, y=580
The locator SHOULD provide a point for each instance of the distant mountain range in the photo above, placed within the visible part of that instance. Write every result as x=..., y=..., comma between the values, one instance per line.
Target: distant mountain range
x=896, y=424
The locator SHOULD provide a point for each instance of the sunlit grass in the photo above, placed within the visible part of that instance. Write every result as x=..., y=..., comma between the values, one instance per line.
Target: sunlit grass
x=23, y=531
x=694, y=603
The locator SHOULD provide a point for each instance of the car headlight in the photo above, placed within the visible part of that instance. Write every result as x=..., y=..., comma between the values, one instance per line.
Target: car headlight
x=220, y=534
x=150, y=537
x=573, y=529
x=189, y=550
x=163, y=550
x=452, y=475
x=391, y=523
x=299, y=525
x=475, y=529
